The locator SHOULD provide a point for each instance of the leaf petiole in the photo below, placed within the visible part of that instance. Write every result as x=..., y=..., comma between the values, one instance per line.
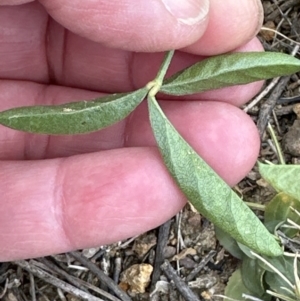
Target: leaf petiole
x=164, y=66
x=155, y=85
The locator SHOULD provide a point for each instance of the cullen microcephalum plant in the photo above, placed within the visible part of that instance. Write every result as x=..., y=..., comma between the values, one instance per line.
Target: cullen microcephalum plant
x=203, y=188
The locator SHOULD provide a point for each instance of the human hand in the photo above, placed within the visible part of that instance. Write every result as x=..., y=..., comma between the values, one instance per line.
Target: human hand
x=61, y=193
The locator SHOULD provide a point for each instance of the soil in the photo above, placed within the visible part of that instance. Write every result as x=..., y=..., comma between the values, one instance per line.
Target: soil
x=181, y=260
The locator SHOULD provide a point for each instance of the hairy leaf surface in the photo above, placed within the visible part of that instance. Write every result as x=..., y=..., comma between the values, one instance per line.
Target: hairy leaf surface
x=207, y=192
x=75, y=117
x=228, y=70
x=284, y=178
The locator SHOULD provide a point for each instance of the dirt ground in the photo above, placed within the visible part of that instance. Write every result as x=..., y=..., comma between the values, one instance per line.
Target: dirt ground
x=182, y=260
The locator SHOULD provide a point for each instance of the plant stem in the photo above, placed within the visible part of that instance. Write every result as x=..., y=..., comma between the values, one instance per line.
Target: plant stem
x=164, y=66
x=255, y=206
x=278, y=148
x=155, y=84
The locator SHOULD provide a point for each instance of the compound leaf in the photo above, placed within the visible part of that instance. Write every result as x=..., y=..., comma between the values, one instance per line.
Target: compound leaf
x=230, y=69
x=75, y=117
x=207, y=192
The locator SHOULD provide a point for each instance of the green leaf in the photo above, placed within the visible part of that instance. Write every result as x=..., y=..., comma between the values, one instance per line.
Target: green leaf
x=246, y=250
x=235, y=288
x=272, y=226
x=278, y=285
x=280, y=275
x=278, y=210
x=75, y=117
x=207, y=192
x=283, y=264
x=229, y=244
x=252, y=275
x=284, y=178
x=228, y=70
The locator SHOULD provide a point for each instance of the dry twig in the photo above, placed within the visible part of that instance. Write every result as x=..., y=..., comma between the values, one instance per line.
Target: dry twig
x=38, y=272
x=181, y=286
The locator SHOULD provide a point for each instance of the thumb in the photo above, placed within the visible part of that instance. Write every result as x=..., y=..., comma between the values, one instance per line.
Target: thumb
x=151, y=26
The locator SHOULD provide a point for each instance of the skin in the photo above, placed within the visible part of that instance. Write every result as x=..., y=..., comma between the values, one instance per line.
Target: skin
x=63, y=193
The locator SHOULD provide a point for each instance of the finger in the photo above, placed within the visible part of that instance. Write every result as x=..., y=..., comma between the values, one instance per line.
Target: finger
x=210, y=128
x=14, y=2
x=22, y=42
x=109, y=70
x=133, y=25
x=72, y=204
x=70, y=60
x=100, y=198
x=231, y=24
x=18, y=145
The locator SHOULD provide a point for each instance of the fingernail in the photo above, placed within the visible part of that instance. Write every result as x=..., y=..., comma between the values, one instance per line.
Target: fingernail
x=189, y=12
